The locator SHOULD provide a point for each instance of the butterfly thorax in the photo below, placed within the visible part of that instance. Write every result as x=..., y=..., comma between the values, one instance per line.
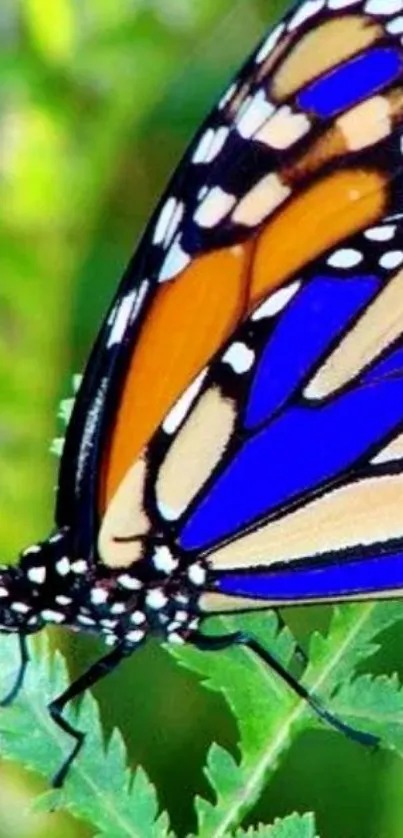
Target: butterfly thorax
x=157, y=596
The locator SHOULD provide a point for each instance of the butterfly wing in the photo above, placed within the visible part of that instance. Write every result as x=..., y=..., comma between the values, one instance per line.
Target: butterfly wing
x=267, y=466
x=301, y=154
x=306, y=502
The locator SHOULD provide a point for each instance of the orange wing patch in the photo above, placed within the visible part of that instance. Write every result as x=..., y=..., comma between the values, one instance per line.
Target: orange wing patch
x=325, y=214
x=189, y=319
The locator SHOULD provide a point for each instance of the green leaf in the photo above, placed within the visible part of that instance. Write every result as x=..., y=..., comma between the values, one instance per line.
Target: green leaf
x=295, y=826
x=350, y=641
x=100, y=787
x=266, y=711
x=63, y=414
x=269, y=715
x=375, y=703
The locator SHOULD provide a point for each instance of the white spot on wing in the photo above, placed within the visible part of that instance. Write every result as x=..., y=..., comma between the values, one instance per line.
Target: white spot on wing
x=383, y=7
x=345, y=258
x=381, y=234
x=202, y=150
x=268, y=194
x=164, y=220
x=227, y=96
x=283, y=129
x=214, y=207
x=254, y=114
x=391, y=260
x=219, y=141
x=181, y=408
x=277, y=301
x=307, y=10
x=175, y=261
x=174, y=223
x=270, y=42
x=239, y=357
x=395, y=26
x=121, y=319
x=210, y=145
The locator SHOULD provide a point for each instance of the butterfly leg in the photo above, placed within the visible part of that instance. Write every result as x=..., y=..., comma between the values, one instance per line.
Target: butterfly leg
x=96, y=672
x=239, y=638
x=24, y=661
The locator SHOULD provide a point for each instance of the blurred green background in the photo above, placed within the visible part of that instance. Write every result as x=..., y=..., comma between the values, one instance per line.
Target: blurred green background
x=98, y=99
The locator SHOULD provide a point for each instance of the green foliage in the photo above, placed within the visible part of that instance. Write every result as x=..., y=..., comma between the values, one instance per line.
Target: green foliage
x=294, y=826
x=100, y=787
x=269, y=716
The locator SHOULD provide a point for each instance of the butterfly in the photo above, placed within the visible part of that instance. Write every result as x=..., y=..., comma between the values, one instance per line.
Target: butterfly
x=237, y=439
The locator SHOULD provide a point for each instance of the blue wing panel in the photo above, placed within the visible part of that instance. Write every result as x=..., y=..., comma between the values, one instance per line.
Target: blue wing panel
x=333, y=581
x=345, y=86
x=305, y=447
x=328, y=304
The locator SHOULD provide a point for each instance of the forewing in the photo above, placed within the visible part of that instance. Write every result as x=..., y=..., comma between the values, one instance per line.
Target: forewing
x=301, y=153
